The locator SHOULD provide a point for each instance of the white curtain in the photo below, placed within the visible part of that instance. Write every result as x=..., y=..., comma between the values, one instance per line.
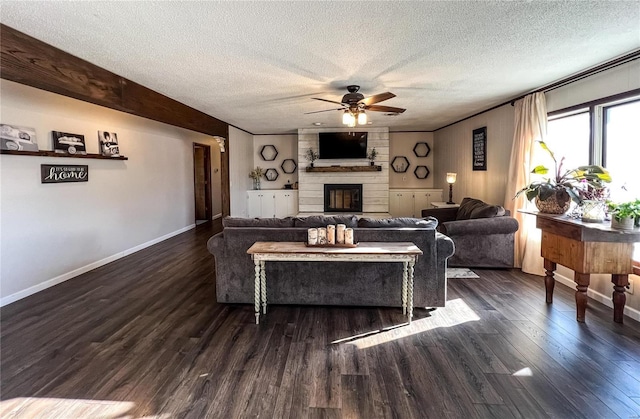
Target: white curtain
x=530, y=126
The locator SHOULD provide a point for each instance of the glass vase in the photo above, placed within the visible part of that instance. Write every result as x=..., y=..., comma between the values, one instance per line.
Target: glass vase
x=256, y=184
x=592, y=211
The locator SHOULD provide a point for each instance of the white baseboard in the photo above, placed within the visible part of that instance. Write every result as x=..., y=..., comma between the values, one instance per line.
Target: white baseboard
x=601, y=298
x=66, y=276
x=215, y=217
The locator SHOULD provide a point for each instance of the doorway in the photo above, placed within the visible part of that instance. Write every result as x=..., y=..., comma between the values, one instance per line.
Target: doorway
x=202, y=182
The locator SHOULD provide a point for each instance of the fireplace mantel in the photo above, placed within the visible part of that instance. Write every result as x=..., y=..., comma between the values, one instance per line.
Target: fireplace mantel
x=344, y=169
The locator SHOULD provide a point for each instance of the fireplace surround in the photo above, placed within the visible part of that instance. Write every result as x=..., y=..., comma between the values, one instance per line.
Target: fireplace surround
x=343, y=197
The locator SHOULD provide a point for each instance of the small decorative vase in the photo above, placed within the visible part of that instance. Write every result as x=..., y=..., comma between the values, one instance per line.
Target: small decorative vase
x=256, y=184
x=592, y=211
x=551, y=205
x=311, y=165
x=372, y=163
x=623, y=224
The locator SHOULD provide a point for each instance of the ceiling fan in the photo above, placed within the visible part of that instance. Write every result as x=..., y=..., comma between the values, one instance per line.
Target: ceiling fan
x=354, y=105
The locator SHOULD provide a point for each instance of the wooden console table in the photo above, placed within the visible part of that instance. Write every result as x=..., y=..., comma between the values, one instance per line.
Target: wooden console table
x=261, y=252
x=587, y=248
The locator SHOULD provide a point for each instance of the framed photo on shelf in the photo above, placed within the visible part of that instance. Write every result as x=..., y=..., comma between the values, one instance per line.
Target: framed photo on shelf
x=16, y=138
x=108, y=142
x=64, y=142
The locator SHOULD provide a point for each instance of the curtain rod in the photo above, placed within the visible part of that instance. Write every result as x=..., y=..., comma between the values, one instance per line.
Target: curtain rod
x=632, y=56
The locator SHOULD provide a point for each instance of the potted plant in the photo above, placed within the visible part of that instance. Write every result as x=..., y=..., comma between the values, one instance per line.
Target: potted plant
x=256, y=174
x=554, y=194
x=373, y=153
x=592, y=202
x=311, y=156
x=623, y=214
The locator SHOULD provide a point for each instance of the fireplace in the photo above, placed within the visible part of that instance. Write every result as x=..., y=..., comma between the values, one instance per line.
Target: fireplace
x=343, y=198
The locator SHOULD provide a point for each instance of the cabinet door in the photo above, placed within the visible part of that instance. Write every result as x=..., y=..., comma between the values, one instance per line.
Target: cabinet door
x=267, y=205
x=254, y=204
x=286, y=203
x=422, y=201
x=401, y=204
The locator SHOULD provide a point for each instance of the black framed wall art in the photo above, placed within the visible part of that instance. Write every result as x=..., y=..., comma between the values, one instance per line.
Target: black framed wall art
x=479, y=140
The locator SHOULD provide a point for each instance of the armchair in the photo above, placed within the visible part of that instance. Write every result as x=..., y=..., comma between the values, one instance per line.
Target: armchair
x=483, y=234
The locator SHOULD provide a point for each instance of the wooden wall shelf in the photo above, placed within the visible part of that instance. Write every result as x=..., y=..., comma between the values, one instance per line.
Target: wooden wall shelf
x=45, y=153
x=345, y=169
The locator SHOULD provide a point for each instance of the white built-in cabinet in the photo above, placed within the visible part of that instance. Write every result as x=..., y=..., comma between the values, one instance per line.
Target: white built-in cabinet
x=272, y=203
x=411, y=202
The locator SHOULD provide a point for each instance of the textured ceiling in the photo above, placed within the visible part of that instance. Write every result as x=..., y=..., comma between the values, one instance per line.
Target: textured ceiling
x=257, y=64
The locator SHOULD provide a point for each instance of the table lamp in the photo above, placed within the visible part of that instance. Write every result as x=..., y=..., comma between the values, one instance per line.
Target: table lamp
x=451, y=179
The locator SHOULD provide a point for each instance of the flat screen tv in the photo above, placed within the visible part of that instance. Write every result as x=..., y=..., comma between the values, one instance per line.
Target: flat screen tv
x=343, y=145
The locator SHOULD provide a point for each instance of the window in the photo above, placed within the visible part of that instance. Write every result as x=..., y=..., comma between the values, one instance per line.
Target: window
x=621, y=138
x=568, y=137
x=614, y=142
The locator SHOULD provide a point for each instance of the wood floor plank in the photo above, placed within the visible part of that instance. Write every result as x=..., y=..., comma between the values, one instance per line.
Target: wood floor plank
x=144, y=337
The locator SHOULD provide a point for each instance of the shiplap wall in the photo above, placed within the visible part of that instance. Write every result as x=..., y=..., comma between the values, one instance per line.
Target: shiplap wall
x=375, y=185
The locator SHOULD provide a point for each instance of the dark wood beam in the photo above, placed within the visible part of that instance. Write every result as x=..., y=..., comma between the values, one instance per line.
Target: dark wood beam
x=29, y=61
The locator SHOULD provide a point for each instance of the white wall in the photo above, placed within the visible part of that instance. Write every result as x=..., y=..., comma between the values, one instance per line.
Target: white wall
x=52, y=232
x=287, y=146
x=240, y=147
x=453, y=153
x=402, y=144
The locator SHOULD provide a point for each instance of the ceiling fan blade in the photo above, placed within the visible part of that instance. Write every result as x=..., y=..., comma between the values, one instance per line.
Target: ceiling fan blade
x=376, y=98
x=389, y=109
x=326, y=110
x=330, y=101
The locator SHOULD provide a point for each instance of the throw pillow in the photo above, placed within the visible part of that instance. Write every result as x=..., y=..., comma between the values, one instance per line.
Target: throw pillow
x=257, y=222
x=467, y=206
x=323, y=220
x=488, y=211
x=428, y=223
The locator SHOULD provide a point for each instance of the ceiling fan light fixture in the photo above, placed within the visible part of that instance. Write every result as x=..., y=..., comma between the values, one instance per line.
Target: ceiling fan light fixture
x=362, y=118
x=346, y=117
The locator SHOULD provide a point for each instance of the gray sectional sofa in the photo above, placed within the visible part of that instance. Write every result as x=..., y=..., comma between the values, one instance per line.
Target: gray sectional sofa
x=483, y=234
x=323, y=283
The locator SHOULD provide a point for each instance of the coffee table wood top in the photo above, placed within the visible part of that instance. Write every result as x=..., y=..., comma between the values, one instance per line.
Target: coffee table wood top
x=363, y=248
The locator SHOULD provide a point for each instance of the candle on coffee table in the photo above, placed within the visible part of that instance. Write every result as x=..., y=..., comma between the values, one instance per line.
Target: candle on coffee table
x=340, y=233
x=312, y=236
x=348, y=236
x=322, y=235
x=331, y=234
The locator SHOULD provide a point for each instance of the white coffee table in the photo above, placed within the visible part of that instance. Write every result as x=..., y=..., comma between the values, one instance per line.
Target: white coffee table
x=404, y=252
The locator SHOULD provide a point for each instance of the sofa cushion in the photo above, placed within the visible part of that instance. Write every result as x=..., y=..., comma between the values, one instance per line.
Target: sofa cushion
x=429, y=222
x=257, y=222
x=350, y=221
x=471, y=208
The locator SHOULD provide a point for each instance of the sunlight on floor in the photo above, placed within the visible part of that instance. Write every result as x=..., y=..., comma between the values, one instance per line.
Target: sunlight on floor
x=47, y=407
x=525, y=372
x=456, y=312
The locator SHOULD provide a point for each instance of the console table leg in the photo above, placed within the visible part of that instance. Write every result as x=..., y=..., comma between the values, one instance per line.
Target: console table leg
x=404, y=287
x=619, y=297
x=410, y=303
x=582, y=281
x=263, y=286
x=549, y=281
x=256, y=290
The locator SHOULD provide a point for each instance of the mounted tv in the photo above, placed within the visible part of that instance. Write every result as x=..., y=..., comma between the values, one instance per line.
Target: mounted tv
x=343, y=145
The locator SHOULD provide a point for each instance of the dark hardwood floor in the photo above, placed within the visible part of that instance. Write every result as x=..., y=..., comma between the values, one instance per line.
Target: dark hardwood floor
x=144, y=337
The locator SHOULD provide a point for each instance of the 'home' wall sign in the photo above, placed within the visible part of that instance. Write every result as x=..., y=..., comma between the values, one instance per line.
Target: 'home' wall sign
x=62, y=173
